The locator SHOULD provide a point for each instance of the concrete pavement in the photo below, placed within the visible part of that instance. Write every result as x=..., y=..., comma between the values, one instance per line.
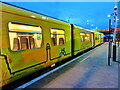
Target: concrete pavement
x=90, y=71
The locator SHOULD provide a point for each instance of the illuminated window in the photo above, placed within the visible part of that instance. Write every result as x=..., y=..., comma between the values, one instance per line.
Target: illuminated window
x=57, y=36
x=87, y=37
x=82, y=37
x=96, y=37
x=99, y=37
x=24, y=36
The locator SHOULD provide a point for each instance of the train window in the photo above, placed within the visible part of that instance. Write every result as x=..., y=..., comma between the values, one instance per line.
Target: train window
x=61, y=41
x=99, y=37
x=57, y=36
x=96, y=37
x=87, y=38
x=24, y=36
x=82, y=37
x=16, y=44
x=24, y=43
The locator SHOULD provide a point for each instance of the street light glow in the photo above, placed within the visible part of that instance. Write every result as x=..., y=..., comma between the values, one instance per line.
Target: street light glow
x=109, y=15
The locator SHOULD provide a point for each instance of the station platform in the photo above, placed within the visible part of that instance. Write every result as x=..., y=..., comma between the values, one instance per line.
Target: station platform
x=90, y=70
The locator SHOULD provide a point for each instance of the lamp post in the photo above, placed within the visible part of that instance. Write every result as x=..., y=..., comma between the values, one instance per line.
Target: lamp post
x=92, y=27
x=96, y=28
x=87, y=24
x=118, y=39
x=110, y=43
x=114, y=37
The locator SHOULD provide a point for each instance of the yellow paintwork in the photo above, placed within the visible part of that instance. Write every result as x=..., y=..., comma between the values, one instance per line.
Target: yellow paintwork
x=99, y=41
x=19, y=60
x=80, y=46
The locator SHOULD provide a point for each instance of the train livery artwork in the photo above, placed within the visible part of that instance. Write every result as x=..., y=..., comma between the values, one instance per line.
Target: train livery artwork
x=31, y=41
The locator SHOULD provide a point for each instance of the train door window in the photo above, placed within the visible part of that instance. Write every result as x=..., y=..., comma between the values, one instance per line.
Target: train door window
x=87, y=37
x=24, y=36
x=99, y=37
x=61, y=41
x=57, y=36
x=82, y=37
x=91, y=37
x=96, y=37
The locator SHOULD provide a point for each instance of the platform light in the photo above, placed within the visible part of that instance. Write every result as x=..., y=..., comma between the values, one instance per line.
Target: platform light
x=87, y=24
x=96, y=27
x=87, y=20
x=109, y=15
x=92, y=25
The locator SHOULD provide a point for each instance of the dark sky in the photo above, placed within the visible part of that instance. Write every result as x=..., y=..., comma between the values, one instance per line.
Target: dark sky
x=74, y=12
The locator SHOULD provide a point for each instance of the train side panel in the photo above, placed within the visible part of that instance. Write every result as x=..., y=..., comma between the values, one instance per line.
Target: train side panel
x=32, y=41
x=97, y=38
x=82, y=39
x=102, y=38
x=17, y=63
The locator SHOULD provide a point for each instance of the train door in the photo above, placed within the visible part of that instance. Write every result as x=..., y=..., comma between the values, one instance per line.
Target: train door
x=58, y=43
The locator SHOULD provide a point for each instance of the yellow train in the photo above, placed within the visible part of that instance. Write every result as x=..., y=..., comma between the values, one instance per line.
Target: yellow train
x=31, y=41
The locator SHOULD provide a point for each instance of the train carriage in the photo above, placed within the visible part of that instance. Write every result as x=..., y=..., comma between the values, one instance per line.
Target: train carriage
x=83, y=39
x=98, y=38
x=32, y=41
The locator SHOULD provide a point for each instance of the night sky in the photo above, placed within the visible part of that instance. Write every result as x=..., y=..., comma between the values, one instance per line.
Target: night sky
x=80, y=13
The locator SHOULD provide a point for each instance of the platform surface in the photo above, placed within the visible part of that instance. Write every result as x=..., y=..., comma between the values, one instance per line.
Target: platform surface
x=89, y=71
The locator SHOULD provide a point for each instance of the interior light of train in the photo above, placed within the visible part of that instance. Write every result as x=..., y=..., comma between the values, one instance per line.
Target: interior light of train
x=44, y=17
x=20, y=27
x=33, y=16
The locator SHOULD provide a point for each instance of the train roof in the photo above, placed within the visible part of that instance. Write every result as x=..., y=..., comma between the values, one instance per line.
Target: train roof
x=28, y=13
x=87, y=30
x=6, y=7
